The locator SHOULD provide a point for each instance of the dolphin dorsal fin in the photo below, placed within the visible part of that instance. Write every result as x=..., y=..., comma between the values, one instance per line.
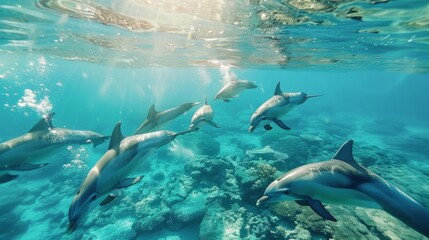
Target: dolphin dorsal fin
x=43, y=124
x=345, y=154
x=278, y=91
x=205, y=101
x=117, y=136
x=152, y=112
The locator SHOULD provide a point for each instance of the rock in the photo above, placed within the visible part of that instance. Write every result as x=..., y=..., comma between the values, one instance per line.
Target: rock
x=123, y=230
x=177, y=189
x=212, y=226
x=155, y=220
x=158, y=177
x=152, y=214
x=190, y=210
x=201, y=143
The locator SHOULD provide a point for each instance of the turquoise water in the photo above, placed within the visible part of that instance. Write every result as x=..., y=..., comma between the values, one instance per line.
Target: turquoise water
x=95, y=63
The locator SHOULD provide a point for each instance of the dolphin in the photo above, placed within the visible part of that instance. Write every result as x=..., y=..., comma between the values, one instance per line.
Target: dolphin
x=24, y=152
x=342, y=180
x=111, y=171
x=277, y=106
x=203, y=115
x=155, y=120
x=233, y=88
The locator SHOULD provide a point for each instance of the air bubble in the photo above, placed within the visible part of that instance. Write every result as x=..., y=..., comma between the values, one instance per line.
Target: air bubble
x=265, y=16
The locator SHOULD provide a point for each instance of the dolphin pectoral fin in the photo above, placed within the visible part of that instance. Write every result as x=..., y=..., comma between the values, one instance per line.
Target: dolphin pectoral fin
x=7, y=178
x=302, y=202
x=108, y=199
x=226, y=100
x=126, y=182
x=27, y=166
x=268, y=127
x=317, y=208
x=281, y=124
x=213, y=124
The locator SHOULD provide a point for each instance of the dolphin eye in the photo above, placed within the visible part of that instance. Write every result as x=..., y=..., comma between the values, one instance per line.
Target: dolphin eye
x=78, y=192
x=93, y=198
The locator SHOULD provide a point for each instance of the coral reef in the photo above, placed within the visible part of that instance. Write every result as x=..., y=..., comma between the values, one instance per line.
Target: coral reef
x=193, y=190
x=212, y=226
x=187, y=211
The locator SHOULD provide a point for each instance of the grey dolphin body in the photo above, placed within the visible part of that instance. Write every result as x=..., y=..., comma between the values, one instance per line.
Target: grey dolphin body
x=342, y=180
x=155, y=120
x=111, y=171
x=24, y=152
x=233, y=88
x=203, y=115
x=277, y=106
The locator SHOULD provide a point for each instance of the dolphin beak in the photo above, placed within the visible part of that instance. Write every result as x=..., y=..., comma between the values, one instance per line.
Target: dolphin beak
x=74, y=216
x=262, y=202
x=76, y=212
x=251, y=128
x=71, y=227
x=312, y=96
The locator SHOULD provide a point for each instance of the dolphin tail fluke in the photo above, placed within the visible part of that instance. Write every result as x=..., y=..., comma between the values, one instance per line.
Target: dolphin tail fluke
x=7, y=178
x=312, y=96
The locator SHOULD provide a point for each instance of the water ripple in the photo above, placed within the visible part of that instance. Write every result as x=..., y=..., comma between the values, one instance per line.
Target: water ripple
x=260, y=34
